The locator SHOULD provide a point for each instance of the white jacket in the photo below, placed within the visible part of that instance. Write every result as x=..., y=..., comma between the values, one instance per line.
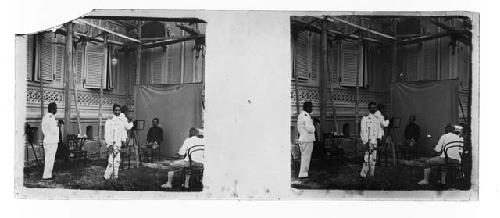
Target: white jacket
x=306, y=128
x=49, y=129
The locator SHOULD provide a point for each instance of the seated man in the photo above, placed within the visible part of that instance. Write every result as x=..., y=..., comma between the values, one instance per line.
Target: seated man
x=453, y=153
x=197, y=157
x=412, y=134
x=155, y=136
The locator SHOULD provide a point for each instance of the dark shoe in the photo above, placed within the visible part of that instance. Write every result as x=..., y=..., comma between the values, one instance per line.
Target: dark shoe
x=303, y=178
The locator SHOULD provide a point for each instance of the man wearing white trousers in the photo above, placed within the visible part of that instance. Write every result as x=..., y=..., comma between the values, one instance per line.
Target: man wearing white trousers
x=114, y=135
x=50, y=141
x=306, y=129
x=371, y=131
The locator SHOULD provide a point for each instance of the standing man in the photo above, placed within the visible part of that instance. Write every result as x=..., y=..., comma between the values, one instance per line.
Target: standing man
x=124, y=117
x=50, y=132
x=371, y=125
x=305, y=126
x=113, y=135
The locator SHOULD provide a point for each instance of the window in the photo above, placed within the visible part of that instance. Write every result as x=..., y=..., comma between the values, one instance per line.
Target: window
x=352, y=62
x=95, y=67
x=307, y=52
x=41, y=51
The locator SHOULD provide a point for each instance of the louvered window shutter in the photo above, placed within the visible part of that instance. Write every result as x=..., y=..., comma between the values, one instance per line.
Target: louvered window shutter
x=315, y=56
x=59, y=62
x=30, y=56
x=334, y=62
x=301, y=54
x=157, y=56
x=352, y=62
x=78, y=63
x=170, y=64
x=95, y=67
x=46, y=55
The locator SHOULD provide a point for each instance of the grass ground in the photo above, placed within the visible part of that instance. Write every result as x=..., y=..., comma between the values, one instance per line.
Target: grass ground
x=90, y=177
x=345, y=176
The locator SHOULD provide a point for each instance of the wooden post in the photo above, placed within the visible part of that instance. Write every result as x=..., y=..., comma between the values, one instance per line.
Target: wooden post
x=394, y=75
x=38, y=41
x=137, y=82
x=103, y=73
x=334, y=111
x=294, y=72
x=68, y=77
x=75, y=92
x=322, y=77
x=356, y=104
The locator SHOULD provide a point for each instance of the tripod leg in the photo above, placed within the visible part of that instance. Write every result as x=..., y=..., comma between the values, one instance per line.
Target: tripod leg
x=34, y=153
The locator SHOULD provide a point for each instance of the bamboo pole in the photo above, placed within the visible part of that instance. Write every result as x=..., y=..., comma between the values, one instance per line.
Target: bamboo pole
x=361, y=27
x=137, y=82
x=322, y=77
x=75, y=92
x=103, y=73
x=38, y=72
x=68, y=77
x=356, y=104
x=106, y=30
x=330, y=81
x=294, y=69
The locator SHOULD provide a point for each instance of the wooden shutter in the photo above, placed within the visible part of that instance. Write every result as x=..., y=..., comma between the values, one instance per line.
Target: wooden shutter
x=78, y=63
x=351, y=56
x=188, y=62
x=301, y=54
x=59, y=62
x=157, y=56
x=315, y=56
x=170, y=64
x=30, y=56
x=334, y=58
x=95, y=66
x=199, y=61
x=46, y=55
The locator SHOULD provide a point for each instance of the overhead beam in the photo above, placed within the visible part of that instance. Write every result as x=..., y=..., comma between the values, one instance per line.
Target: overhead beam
x=360, y=27
x=171, y=41
x=143, y=18
x=435, y=36
x=106, y=30
x=82, y=37
x=188, y=29
x=332, y=33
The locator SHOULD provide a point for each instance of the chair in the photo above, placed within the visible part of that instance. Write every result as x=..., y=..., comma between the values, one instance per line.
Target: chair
x=383, y=149
x=452, y=170
x=333, y=151
x=126, y=153
x=194, y=169
x=75, y=146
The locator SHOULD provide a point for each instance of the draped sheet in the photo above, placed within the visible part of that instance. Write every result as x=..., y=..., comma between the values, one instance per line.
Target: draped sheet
x=179, y=107
x=435, y=103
